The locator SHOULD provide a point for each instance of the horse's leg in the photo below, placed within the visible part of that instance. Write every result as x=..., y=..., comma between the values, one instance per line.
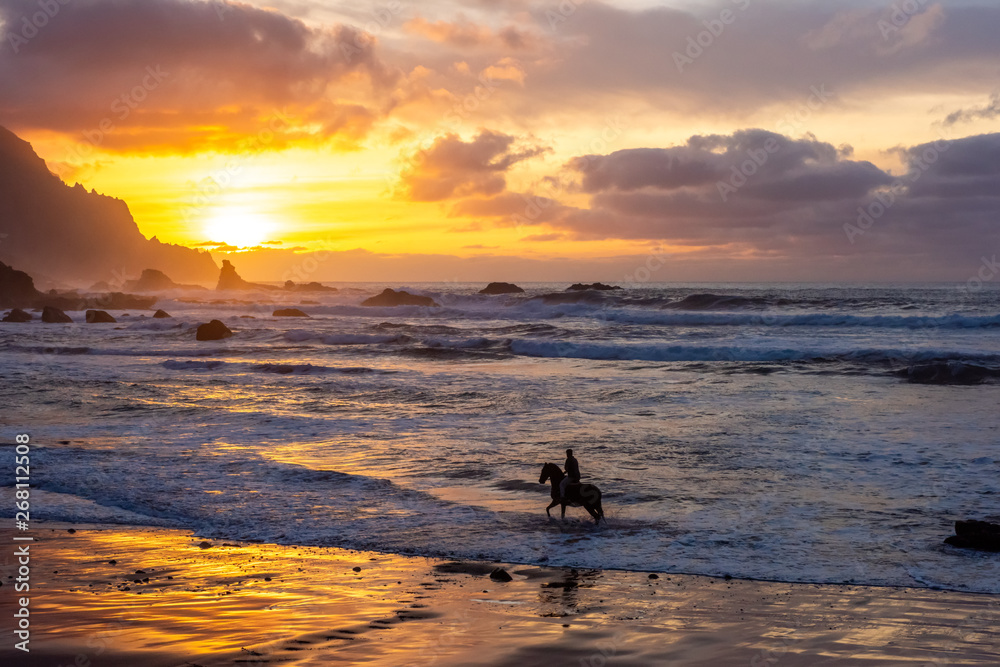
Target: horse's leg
x=564, y=511
x=551, y=505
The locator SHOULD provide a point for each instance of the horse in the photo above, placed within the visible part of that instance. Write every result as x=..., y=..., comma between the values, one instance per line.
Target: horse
x=587, y=495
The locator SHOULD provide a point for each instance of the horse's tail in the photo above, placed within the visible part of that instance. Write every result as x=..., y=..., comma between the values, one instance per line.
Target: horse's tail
x=599, y=507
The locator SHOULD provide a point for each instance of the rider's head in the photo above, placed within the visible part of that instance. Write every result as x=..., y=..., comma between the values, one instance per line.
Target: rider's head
x=569, y=452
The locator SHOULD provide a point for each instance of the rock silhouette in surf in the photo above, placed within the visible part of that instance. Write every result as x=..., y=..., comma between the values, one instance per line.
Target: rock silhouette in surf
x=214, y=330
x=17, y=315
x=501, y=288
x=153, y=280
x=17, y=289
x=979, y=535
x=159, y=314
x=230, y=280
x=600, y=287
x=951, y=372
x=391, y=298
x=308, y=287
x=99, y=317
x=55, y=316
x=289, y=312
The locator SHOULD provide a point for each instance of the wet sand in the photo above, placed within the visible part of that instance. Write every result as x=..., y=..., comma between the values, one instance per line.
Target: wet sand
x=171, y=599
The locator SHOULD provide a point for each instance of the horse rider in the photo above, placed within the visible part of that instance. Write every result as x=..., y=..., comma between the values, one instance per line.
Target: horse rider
x=572, y=473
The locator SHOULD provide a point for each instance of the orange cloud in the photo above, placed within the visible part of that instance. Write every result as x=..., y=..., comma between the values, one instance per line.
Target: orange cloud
x=452, y=167
x=182, y=76
x=464, y=33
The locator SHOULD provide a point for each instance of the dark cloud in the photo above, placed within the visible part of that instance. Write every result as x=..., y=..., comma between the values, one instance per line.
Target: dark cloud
x=452, y=167
x=763, y=194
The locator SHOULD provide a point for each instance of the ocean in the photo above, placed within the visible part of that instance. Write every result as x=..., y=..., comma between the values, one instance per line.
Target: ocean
x=762, y=431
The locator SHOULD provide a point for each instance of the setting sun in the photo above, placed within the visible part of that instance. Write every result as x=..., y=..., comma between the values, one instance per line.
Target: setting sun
x=239, y=226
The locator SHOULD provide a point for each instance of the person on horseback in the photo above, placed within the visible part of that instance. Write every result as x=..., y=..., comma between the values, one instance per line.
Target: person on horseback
x=572, y=473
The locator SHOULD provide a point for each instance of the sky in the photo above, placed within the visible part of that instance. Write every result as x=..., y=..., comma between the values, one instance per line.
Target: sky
x=528, y=140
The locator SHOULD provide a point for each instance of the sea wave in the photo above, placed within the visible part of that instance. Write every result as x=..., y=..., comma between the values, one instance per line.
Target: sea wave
x=705, y=353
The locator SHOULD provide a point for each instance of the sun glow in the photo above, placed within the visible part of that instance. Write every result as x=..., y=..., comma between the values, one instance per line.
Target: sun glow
x=240, y=226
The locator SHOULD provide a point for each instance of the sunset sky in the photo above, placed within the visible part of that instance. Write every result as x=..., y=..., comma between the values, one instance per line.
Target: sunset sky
x=541, y=139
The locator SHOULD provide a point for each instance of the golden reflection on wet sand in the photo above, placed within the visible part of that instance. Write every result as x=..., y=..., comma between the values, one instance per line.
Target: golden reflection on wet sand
x=172, y=599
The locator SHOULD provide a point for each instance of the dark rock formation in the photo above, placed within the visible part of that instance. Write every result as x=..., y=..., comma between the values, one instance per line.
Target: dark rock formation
x=951, y=372
x=289, y=312
x=230, y=280
x=979, y=535
x=501, y=288
x=500, y=574
x=160, y=314
x=579, y=287
x=99, y=317
x=17, y=315
x=17, y=289
x=308, y=287
x=214, y=330
x=391, y=298
x=54, y=315
x=71, y=234
x=153, y=280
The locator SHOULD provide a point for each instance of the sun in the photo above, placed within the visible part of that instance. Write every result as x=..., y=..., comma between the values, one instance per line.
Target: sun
x=239, y=226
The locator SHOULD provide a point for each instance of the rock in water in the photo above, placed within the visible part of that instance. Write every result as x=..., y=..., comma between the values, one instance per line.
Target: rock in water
x=100, y=317
x=601, y=287
x=289, y=312
x=390, y=298
x=307, y=287
x=952, y=372
x=214, y=330
x=500, y=574
x=980, y=535
x=501, y=288
x=151, y=280
x=160, y=314
x=17, y=315
x=17, y=289
x=230, y=280
x=54, y=315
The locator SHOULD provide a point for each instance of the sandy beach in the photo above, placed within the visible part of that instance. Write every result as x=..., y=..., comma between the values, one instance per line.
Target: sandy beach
x=108, y=595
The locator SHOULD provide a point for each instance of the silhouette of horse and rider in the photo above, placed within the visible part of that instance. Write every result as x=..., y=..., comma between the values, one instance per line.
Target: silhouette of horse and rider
x=568, y=490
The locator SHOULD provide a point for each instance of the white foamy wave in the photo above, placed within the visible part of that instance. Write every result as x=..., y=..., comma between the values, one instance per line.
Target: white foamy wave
x=668, y=353
x=458, y=344
x=769, y=319
x=157, y=325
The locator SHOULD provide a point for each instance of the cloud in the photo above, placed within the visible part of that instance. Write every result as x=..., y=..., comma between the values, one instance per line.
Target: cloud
x=182, y=75
x=542, y=238
x=452, y=167
x=988, y=112
x=769, y=52
x=464, y=33
x=758, y=164
x=759, y=194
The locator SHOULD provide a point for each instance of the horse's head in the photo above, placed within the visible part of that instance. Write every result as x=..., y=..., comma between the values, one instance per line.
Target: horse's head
x=548, y=470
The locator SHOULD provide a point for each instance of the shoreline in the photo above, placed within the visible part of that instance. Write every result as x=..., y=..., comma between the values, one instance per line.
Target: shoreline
x=172, y=599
